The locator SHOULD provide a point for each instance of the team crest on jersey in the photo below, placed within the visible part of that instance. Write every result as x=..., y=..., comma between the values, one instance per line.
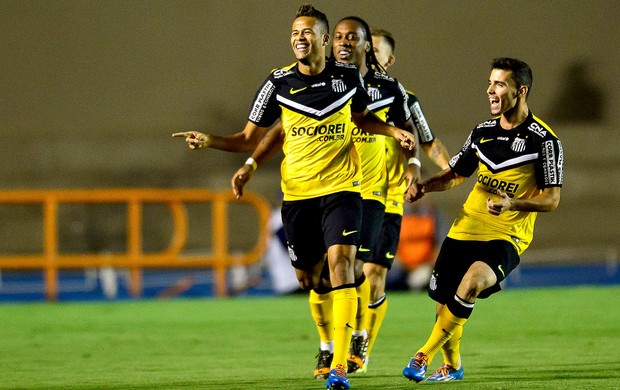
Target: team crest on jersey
x=338, y=86
x=374, y=93
x=518, y=145
x=433, y=283
x=291, y=254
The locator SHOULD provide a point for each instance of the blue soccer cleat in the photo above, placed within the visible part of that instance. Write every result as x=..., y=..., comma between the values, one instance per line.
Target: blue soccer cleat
x=337, y=379
x=416, y=369
x=446, y=373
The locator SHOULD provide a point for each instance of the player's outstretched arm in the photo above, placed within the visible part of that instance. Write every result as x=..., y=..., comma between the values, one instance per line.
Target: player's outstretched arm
x=372, y=124
x=437, y=153
x=442, y=181
x=243, y=141
x=270, y=144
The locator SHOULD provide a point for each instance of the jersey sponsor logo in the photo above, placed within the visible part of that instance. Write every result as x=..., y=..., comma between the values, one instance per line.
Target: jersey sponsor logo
x=518, y=145
x=338, y=86
x=279, y=73
x=552, y=163
x=258, y=108
x=484, y=140
x=487, y=124
x=424, y=130
x=348, y=233
x=537, y=129
x=498, y=185
x=361, y=136
x=323, y=133
x=294, y=91
x=321, y=84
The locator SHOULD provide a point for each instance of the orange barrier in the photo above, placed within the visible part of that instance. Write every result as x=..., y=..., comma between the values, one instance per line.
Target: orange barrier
x=135, y=259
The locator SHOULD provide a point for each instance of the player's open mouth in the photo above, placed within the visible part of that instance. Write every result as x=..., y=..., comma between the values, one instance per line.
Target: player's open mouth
x=494, y=102
x=344, y=54
x=301, y=47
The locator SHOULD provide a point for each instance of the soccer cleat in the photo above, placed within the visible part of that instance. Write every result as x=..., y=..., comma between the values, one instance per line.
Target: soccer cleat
x=446, y=373
x=322, y=366
x=356, y=362
x=337, y=379
x=416, y=369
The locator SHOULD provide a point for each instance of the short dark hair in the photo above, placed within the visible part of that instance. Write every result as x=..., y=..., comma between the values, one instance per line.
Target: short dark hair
x=521, y=72
x=385, y=34
x=310, y=11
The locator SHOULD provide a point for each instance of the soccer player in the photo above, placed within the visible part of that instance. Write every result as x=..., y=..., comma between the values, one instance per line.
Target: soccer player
x=352, y=44
x=378, y=265
x=318, y=104
x=519, y=161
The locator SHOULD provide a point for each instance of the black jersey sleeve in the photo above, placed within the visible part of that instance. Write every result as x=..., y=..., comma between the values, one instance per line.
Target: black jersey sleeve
x=399, y=112
x=465, y=162
x=550, y=163
x=265, y=109
x=419, y=120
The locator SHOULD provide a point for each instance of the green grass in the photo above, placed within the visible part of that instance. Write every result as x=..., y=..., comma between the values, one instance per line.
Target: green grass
x=565, y=338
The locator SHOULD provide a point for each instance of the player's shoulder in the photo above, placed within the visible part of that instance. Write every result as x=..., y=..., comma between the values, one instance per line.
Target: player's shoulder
x=539, y=128
x=285, y=71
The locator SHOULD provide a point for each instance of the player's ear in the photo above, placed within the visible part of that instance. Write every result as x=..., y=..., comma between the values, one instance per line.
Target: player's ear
x=367, y=48
x=391, y=60
x=326, y=39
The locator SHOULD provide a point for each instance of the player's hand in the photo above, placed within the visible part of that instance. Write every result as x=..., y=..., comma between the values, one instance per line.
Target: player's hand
x=194, y=139
x=406, y=139
x=503, y=204
x=415, y=191
x=240, y=179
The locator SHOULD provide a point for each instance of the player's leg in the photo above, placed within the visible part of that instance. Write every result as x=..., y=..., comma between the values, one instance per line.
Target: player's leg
x=373, y=212
x=321, y=307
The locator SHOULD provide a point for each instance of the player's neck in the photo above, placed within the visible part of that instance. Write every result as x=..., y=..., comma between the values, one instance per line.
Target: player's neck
x=311, y=67
x=514, y=117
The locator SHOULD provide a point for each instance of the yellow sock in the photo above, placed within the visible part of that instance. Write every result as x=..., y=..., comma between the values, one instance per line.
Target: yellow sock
x=444, y=328
x=363, y=297
x=345, y=306
x=375, y=316
x=451, y=350
x=322, y=313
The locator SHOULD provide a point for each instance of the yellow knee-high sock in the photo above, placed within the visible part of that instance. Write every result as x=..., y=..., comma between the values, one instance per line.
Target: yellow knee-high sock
x=375, y=316
x=363, y=297
x=444, y=328
x=322, y=313
x=344, y=308
x=451, y=350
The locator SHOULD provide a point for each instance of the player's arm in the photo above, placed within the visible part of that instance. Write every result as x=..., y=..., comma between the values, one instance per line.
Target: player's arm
x=437, y=153
x=412, y=172
x=270, y=144
x=243, y=141
x=442, y=181
x=547, y=200
x=368, y=121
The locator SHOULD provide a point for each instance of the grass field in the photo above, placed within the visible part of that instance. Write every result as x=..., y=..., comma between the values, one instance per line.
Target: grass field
x=565, y=338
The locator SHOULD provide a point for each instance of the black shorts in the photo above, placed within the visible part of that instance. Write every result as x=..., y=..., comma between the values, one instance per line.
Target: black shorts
x=372, y=218
x=385, y=248
x=455, y=258
x=313, y=225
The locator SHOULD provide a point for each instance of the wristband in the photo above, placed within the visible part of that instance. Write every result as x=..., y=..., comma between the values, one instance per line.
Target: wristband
x=252, y=162
x=415, y=161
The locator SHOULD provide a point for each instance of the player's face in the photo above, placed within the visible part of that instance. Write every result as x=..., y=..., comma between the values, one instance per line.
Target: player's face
x=383, y=51
x=502, y=91
x=349, y=45
x=306, y=39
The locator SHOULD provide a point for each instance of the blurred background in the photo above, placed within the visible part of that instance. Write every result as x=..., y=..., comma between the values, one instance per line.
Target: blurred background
x=92, y=90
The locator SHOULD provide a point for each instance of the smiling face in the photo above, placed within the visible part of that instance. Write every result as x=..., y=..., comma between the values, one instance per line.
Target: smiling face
x=350, y=43
x=307, y=41
x=503, y=92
